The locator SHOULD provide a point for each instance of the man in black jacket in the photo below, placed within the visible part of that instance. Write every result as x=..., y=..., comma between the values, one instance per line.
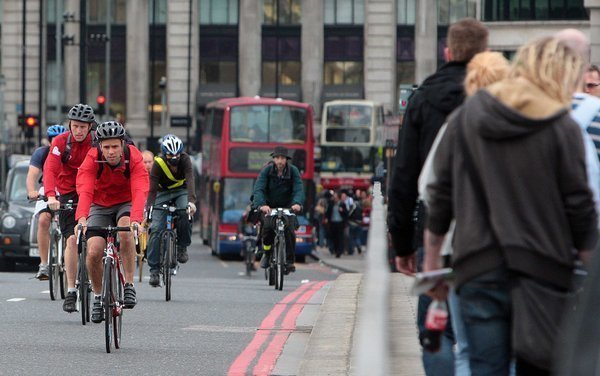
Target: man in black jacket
x=427, y=110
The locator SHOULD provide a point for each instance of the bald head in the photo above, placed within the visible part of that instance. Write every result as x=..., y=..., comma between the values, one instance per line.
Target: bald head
x=576, y=40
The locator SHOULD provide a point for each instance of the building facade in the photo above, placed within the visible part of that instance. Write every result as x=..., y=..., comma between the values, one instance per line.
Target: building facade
x=157, y=63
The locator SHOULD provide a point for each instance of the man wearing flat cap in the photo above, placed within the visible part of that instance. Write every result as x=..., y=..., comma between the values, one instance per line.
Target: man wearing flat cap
x=278, y=186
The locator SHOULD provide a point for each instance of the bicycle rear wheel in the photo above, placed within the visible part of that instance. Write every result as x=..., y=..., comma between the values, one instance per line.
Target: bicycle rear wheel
x=53, y=268
x=108, y=303
x=280, y=261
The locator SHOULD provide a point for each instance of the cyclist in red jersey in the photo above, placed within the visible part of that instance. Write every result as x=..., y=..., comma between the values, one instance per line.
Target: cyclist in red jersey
x=112, y=184
x=67, y=152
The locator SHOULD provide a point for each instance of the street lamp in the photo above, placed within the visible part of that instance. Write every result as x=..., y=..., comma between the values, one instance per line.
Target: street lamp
x=162, y=85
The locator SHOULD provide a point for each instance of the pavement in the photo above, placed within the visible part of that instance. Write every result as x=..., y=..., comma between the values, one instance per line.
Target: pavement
x=332, y=347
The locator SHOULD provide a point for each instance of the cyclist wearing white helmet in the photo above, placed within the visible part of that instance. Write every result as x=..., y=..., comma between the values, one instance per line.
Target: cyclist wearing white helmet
x=171, y=180
x=67, y=152
x=43, y=215
x=112, y=184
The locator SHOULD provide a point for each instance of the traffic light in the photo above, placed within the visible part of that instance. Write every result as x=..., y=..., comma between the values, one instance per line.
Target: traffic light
x=31, y=122
x=101, y=101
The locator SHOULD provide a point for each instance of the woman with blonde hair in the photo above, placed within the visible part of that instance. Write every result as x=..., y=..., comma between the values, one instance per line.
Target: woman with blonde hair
x=511, y=171
x=484, y=69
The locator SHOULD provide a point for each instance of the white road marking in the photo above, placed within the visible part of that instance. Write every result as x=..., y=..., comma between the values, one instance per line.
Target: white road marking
x=15, y=299
x=225, y=265
x=45, y=292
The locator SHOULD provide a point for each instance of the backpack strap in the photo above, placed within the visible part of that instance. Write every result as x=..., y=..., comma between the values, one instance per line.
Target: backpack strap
x=169, y=174
x=64, y=158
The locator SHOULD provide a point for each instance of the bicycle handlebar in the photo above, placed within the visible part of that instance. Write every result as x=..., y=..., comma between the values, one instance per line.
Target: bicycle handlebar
x=110, y=230
x=285, y=211
x=170, y=209
x=70, y=205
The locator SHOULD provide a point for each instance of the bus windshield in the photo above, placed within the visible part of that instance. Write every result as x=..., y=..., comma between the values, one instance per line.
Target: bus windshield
x=348, y=159
x=349, y=115
x=264, y=123
x=236, y=197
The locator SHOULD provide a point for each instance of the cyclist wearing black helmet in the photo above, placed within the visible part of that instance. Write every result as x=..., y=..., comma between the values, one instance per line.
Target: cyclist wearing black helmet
x=67, y=152
x=112, y=184
x=36, y=164
x=171, y=180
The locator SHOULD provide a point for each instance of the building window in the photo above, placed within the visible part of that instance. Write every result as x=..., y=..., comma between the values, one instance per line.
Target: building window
x=218, y=59
x=343, y=57
x=96, y=11
x=343, y=73
x=281, y=60
x=281, y=12
x=218, y=12
x=406, y=11
x=539, y=10
x=450, y=11
x=344, y=12
x=157, y=12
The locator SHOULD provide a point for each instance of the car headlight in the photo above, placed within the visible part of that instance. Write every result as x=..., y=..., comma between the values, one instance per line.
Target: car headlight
x=9, y=222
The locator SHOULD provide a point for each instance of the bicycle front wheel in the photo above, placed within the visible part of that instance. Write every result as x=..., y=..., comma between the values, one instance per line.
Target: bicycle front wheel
x=169, y=262
x=53, y=268
x=248, y=249
x=62, y=242
x=83, y=289
x=118, y=310
x=108, y=303
x=280, y=262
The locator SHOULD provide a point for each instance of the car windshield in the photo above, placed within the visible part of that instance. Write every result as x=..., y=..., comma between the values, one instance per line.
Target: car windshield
x=18, y=186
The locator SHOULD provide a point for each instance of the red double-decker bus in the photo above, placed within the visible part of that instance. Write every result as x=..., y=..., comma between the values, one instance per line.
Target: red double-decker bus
x=238, y=136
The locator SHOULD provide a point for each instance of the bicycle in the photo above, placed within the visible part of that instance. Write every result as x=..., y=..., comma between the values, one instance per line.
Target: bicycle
x=249, y=237
x=113, y=285
x=276, y=268
x=57, y=276
x=168, y=244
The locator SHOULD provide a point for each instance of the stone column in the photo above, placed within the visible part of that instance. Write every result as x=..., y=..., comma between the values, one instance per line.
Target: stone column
x=425, y=39
x=138, y=73
x=380, y=52
x=250, y=38
x=312, y=52
x=594, y=8
x=12, y=56
x=182, y=46
x=71, y=54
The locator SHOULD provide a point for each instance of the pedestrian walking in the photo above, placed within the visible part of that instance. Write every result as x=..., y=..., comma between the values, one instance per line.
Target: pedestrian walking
x=427, y=110
x=511, y=169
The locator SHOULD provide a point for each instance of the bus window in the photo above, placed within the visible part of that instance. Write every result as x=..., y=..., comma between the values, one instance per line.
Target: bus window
x=287, y=124
x=351, y=159
x=349, y=115
x=252, y=160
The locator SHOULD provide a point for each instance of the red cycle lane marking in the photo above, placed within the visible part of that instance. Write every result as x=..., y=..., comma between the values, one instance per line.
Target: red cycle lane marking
x=241, y=363
x=267, y=360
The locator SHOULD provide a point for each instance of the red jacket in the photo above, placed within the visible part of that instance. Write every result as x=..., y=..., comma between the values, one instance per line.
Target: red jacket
x=60, y=176
x=112, y=187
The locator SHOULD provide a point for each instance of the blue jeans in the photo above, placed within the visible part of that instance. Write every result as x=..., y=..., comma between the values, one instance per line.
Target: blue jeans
x=440, y=363
x=159, y=219
x=461, y=353
x=354, y=232
x=485, y=306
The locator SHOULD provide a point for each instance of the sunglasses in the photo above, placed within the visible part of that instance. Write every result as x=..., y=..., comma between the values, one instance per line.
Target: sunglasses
x=591, y=85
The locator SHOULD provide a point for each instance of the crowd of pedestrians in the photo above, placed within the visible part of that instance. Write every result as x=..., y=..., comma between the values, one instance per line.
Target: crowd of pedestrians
x=507, y=197
x=342, y=220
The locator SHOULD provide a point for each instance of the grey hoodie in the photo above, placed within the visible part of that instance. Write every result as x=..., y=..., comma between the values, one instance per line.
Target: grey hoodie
x=529, y=155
